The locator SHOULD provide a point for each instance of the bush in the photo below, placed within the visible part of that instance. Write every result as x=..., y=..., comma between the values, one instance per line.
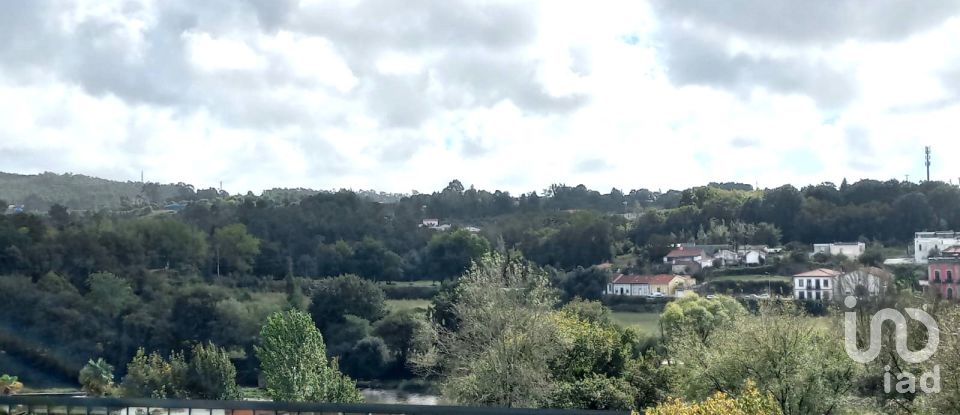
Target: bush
x=152, y=376
x=635, y=304
x=96, y=378
x=210, y=374
x=402, y=292
x=368, y=359
x=334, y=298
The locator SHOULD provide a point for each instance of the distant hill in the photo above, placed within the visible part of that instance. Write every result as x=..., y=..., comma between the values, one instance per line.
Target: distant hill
x=37, y=192
x=76, y=191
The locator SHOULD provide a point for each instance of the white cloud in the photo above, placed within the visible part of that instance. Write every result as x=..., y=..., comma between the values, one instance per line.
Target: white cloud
x=505, y=95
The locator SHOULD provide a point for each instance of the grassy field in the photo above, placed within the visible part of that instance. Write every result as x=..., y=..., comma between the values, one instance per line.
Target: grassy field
x=400, y=305
x=647, y=322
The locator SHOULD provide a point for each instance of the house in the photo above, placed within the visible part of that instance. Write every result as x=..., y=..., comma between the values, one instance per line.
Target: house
x=924, y=242
x=943, y=272
x=864, y=282
x=851, y=250
x=727, y=257
x=430, y=223
x=754, y=257
x=817, y=284
x=645, y=285
x=683, y=256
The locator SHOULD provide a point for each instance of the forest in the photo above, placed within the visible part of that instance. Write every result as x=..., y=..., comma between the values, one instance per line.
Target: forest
x=115, y=282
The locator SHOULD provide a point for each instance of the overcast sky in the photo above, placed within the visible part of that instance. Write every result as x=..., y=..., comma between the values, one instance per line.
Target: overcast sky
x=402, y=95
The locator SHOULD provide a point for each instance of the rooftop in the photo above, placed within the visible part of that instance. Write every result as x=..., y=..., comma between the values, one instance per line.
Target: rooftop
x=643, y=279
x=819, y=272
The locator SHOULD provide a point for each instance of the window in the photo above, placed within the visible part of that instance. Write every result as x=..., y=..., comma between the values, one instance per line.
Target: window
x=936, y=275
x=949, y=276
x=800, y=283
x=826, y=283
x=949, y=293
x=818, y=295
x=818, y=286
x=802, y=295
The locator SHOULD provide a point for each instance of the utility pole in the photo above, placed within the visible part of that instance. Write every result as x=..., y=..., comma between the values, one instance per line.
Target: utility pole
x=927, y=151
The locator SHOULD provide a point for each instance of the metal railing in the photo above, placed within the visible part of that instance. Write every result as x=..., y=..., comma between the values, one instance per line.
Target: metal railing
x=50, y=405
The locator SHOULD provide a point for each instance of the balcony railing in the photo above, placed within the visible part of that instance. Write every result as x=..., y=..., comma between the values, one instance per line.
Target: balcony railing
x=49, y=405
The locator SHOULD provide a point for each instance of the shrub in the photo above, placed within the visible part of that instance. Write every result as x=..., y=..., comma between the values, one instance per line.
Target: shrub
x=96, y=378
x=152, y=376
x=400, y=292
x=211, y=374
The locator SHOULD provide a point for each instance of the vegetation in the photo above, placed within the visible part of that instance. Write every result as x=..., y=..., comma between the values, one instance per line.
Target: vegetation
x=176, y=300
x=294, y=363
x=750, y=402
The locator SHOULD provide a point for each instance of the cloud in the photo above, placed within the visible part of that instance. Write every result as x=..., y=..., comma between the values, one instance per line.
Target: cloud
x=812, y=22
x=384, y=94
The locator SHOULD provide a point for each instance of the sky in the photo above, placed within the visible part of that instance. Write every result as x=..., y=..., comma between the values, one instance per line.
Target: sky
x=514, y=95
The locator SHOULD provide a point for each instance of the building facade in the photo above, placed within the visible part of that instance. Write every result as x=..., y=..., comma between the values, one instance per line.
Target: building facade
x=851, y=250
x=943, y=271
x=924, y=242
x=818, y=284
x=646, y=285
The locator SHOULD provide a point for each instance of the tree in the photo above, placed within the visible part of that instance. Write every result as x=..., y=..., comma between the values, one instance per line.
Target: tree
x=449, y=254
x=399, y=331
x=235, y=248
x=96, y=378
x=211, y=374
x=501, y=352
x=699, y=316
x=110, y=294
x=587, y=284
x=152, y=376
x=369, y=358
x=802, y=365
x=58, y=214
x=333, y=298
x=872, y=256
x=294, y=363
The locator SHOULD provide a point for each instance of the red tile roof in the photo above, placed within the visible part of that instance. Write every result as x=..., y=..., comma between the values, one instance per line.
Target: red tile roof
x=819, y=272
x=682, y=252
x=644, y=279
x=952, y=250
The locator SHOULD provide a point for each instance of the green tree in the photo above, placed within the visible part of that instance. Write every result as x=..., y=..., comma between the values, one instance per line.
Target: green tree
x=294, y=363
x=234, y=248
x=449, y=254
x=803, y=365
x=333, y=298
x=399, y=331
x=109, y=293
x=699, y=316
x=587, y=284
x=152, y=376
x=210, y=374
x=500, y=353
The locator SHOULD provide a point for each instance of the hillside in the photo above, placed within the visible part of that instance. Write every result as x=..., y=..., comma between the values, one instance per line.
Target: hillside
x=76, y=191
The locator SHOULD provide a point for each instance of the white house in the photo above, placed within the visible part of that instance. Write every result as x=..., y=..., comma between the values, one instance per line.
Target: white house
x=430, y=223
x=683, y=255
x=864, y=282
x=754, y=257
x=851, y=250
x=632, y=285
x=727, y=257
x=817, y=284
x=924, y=242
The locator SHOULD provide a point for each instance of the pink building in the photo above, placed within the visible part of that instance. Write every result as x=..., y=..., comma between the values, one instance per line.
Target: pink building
x=943, y=273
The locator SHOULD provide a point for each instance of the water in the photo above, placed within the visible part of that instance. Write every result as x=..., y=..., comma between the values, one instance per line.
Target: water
x=399, y=397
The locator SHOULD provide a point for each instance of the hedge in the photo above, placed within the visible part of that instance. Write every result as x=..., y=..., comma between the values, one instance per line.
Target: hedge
x=408, y=292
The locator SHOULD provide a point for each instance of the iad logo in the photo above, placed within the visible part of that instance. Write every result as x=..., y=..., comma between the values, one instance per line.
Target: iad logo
x=906, y=381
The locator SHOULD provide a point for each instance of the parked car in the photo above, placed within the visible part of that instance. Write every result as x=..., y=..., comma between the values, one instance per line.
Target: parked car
x=657, y=295
x=711, y=296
